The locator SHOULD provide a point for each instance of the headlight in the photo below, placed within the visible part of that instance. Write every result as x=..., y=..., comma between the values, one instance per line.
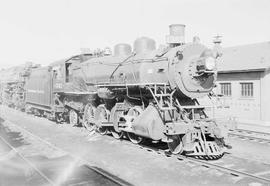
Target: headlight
x=210, y=63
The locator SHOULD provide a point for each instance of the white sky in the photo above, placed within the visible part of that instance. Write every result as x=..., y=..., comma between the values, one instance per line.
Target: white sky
x=43, y=31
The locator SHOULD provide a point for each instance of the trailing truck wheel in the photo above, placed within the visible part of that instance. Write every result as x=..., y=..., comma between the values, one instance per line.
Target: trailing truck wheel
x=89, y=117
x=176, y=146
x=73, y=117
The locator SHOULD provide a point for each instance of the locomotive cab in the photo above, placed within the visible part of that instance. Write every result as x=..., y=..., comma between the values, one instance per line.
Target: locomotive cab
x=62, y=71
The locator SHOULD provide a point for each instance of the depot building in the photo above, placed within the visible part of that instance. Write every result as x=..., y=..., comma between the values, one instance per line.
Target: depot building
x=244, y=82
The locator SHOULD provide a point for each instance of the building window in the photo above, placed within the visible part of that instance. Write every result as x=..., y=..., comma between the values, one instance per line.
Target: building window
x=246, y=89
x=226, y=89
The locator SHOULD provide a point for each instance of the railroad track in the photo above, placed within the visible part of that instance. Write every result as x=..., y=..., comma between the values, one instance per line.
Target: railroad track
x=113, y=179
x=260, y=137
x=27, y=162
x=234, y=166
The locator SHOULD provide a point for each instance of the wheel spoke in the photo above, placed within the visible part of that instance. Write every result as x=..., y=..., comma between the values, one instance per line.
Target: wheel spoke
x=135, y=112
x=102, y=115
x=88, y=118
x=115, y=117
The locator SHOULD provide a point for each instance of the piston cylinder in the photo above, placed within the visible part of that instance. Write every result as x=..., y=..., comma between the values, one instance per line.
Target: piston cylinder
x=149, y=124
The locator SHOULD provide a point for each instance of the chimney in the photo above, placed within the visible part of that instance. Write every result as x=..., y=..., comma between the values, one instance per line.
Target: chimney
x=217, y=49
x=177, y=35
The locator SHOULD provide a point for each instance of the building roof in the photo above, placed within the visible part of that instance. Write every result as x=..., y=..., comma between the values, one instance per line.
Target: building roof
x=251, y=57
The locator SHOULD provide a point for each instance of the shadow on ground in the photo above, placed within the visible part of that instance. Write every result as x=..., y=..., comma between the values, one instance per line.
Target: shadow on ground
x=15, y=139
x=16, y=169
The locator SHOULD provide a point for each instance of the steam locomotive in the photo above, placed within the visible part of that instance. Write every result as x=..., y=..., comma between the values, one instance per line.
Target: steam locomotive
x=144, y=93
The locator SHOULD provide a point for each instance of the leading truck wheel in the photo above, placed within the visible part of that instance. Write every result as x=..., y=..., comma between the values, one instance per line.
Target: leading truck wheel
x=73, y=117
x=176, y=145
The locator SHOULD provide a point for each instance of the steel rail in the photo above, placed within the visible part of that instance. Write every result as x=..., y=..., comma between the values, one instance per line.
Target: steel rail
x=228, y=170
x=250, y=137
x=197, y=161
x=207, y=164
x=243, y=158
x=252, y=131
x=241, y=135
x=28, y=162
x=111, y=177
x=180, y=157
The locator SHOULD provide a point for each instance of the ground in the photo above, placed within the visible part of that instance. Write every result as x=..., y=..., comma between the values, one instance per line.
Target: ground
x=123, y=159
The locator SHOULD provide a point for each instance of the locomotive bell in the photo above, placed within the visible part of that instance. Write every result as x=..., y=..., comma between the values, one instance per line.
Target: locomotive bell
x=177, y=35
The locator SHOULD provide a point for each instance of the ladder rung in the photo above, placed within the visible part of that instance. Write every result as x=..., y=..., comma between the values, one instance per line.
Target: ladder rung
x=162, y=95
x=167, y=108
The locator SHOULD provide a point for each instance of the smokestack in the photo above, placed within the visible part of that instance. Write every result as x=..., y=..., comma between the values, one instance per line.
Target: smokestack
x=177, y=35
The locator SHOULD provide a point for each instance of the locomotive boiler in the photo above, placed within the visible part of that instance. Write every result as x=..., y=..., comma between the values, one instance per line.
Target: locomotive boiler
x=149, y=93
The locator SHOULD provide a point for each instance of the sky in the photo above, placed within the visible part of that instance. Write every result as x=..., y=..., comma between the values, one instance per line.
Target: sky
x=44, y=31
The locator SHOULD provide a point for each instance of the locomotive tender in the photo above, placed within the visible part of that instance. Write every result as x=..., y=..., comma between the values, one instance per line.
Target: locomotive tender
x=146, y=93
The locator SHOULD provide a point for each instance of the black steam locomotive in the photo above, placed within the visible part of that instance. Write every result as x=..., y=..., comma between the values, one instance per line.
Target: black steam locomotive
x=144, y=93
